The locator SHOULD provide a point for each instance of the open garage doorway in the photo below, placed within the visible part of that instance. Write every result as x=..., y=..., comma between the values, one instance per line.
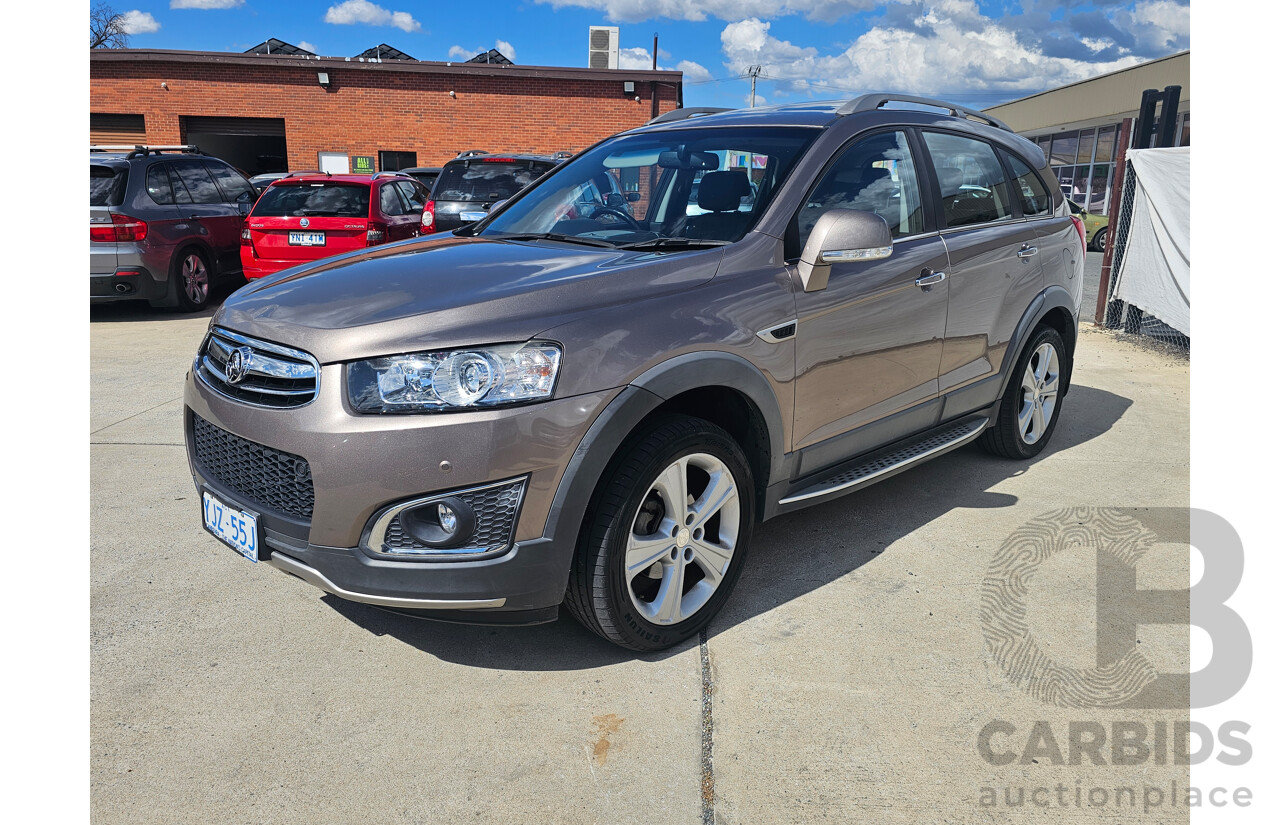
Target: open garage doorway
x=253, y=145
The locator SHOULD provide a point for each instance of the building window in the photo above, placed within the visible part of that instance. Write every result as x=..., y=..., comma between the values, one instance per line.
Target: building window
x=1064, y=148
x=395, y=161
x=1184, y=133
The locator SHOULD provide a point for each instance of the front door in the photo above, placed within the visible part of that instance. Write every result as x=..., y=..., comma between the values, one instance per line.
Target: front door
x=868, y=345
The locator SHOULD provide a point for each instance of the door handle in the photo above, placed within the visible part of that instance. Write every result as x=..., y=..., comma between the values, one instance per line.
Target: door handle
x=1027, y=251
x=930, y=278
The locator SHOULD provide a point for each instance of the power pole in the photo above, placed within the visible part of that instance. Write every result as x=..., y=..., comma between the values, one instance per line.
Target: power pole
x=754, y=71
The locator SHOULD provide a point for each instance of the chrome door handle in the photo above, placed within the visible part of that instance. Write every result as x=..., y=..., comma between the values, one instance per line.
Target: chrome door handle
x=1027, y=251
x=928, y=280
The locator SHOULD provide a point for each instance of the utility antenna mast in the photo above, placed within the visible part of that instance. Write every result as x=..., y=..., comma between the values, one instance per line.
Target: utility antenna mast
x=754, y=71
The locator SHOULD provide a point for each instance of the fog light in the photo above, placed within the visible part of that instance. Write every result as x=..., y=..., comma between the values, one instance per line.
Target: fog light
x=448, y=518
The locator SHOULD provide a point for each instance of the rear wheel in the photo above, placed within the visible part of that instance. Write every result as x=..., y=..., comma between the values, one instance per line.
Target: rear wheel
x=1100, y=240
x=1028, y=412
x=191, y=280
x=665, y=537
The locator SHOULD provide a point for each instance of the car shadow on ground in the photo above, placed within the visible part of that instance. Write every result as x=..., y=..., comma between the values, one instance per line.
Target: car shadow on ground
x=133, y=311
x=837, y=538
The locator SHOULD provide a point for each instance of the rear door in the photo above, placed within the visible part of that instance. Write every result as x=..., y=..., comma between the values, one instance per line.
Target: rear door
x=995, y=263
x=306, y=220
x=201, y=202
x=1060, y=251
x=397, y=212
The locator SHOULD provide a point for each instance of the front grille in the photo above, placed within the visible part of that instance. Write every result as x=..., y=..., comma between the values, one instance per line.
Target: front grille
x=272, y=479
x=257, y=372
x=495, y=508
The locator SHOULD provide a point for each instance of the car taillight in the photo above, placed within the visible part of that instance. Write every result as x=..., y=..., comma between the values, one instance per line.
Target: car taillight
x=121, y=228
x=377, y=233
x=429, y=217
x=246, y=237
x=1079, y=228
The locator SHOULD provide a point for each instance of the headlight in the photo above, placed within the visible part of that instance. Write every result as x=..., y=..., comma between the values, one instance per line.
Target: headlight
x=454, y=379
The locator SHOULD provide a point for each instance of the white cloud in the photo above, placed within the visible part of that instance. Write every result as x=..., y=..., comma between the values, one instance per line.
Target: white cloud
x=139, y=22
x=302, y=44
x=205, y=4
x=633, y=11
x=1160, y=25
x=641, y=58
x=350, y=12
x=463, y=53
x=950, y=46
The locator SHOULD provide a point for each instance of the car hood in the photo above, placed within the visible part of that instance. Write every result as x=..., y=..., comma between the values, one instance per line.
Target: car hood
x=449, y=292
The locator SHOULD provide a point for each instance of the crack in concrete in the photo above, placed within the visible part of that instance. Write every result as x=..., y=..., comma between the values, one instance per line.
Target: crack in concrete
x=135, y=415
x=708, y=774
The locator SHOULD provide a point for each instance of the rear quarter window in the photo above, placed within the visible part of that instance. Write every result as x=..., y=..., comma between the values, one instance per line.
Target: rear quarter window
x=107, y=184
x=331, y=200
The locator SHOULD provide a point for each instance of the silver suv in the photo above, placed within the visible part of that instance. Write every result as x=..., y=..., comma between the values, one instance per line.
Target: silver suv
x=595, y=407
x=164, y=224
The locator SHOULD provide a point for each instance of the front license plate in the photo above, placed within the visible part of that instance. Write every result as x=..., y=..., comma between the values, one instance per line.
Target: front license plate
x=235, y=527
x=306, y=239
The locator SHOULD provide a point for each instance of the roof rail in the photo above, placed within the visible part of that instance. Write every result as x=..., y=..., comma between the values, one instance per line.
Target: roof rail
x=138, y=150
x=472, y=153
x=300, y=172
x=871, y=102
x=561, y=155
x=385, y=174
x=686, y=113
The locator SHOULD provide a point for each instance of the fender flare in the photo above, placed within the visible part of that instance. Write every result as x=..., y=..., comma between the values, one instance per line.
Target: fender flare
x=1054, y=297
x=633, y=404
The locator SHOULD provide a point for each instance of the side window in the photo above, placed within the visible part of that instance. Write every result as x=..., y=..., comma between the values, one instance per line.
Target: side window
x=158, y=186
x=413, y=193
x=876, y=175
x=390, y=202
x=1029, y=187
x=199, y=183
x=971, y=180
x=234, y=186
x=180, y=193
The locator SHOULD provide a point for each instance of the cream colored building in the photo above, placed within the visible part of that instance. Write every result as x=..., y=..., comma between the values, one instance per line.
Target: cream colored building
x=1077, y=125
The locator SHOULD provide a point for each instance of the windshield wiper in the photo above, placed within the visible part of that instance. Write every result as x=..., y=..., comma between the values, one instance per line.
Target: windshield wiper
x=673, y=243
x=553, y=236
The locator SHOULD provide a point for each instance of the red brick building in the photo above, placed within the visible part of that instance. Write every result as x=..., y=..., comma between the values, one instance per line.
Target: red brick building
x=276, y=112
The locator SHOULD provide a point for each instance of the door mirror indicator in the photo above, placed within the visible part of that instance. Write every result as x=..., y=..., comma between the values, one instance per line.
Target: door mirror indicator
x=842, y=236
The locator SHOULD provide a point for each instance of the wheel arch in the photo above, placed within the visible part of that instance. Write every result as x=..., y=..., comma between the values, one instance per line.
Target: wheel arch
x=1054, y=307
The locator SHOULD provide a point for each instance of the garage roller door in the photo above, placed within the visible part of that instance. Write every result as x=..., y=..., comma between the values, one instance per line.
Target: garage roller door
x=116, y=130
x=257, y=126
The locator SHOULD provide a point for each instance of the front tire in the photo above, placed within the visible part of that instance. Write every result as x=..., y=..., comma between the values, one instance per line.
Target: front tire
x=1028, y=412
x=1100, y=240
x=665, y=537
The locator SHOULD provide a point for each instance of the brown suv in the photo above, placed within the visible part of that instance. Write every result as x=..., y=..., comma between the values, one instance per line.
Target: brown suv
x=595, y=407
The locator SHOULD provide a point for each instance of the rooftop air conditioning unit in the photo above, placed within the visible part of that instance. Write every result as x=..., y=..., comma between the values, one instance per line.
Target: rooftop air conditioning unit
x=603, y=47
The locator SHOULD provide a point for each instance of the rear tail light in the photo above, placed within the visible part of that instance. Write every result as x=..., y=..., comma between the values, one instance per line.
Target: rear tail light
x=377, y=233
x=121, y=228
x=246, y=237
x=429, y=217
x=1080, y=229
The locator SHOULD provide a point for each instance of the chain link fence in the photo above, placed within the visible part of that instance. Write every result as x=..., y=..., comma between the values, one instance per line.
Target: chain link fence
x=1126, y=317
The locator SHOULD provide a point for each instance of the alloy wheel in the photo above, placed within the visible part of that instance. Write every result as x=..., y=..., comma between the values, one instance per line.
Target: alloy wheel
x=1039, y=393
x=195, y=278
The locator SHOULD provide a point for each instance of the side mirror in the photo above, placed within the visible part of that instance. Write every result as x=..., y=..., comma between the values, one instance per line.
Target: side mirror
x=842, y=236
x=633, y=197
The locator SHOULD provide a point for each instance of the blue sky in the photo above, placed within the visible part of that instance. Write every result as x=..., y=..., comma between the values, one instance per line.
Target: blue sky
x=972, y=51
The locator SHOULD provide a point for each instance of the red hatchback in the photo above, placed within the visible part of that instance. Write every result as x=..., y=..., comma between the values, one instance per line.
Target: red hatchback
x=306, y=217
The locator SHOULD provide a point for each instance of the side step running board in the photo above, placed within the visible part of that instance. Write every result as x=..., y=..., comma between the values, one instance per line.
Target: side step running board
x=883, y=464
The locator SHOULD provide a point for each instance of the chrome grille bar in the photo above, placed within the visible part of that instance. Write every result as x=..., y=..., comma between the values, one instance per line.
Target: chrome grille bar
x=271, y=375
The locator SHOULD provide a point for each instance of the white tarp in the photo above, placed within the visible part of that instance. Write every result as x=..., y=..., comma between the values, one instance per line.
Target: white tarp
x=1155, y=274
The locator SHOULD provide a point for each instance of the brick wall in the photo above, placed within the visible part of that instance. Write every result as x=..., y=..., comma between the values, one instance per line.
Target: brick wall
x=368, y=110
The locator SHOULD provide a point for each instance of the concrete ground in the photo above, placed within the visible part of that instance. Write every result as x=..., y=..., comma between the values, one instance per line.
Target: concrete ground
x=847, y=679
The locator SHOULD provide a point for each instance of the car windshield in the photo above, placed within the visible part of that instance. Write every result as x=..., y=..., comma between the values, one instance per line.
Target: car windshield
x=486, y=179
x=106, y=184
x=327, y=200
x=686, y=187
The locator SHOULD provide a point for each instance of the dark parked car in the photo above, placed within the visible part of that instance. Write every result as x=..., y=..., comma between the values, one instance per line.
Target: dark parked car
x=471, y=184
x=425, y=175
x=164, y=224
x=596, y=407
x=261, y=182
